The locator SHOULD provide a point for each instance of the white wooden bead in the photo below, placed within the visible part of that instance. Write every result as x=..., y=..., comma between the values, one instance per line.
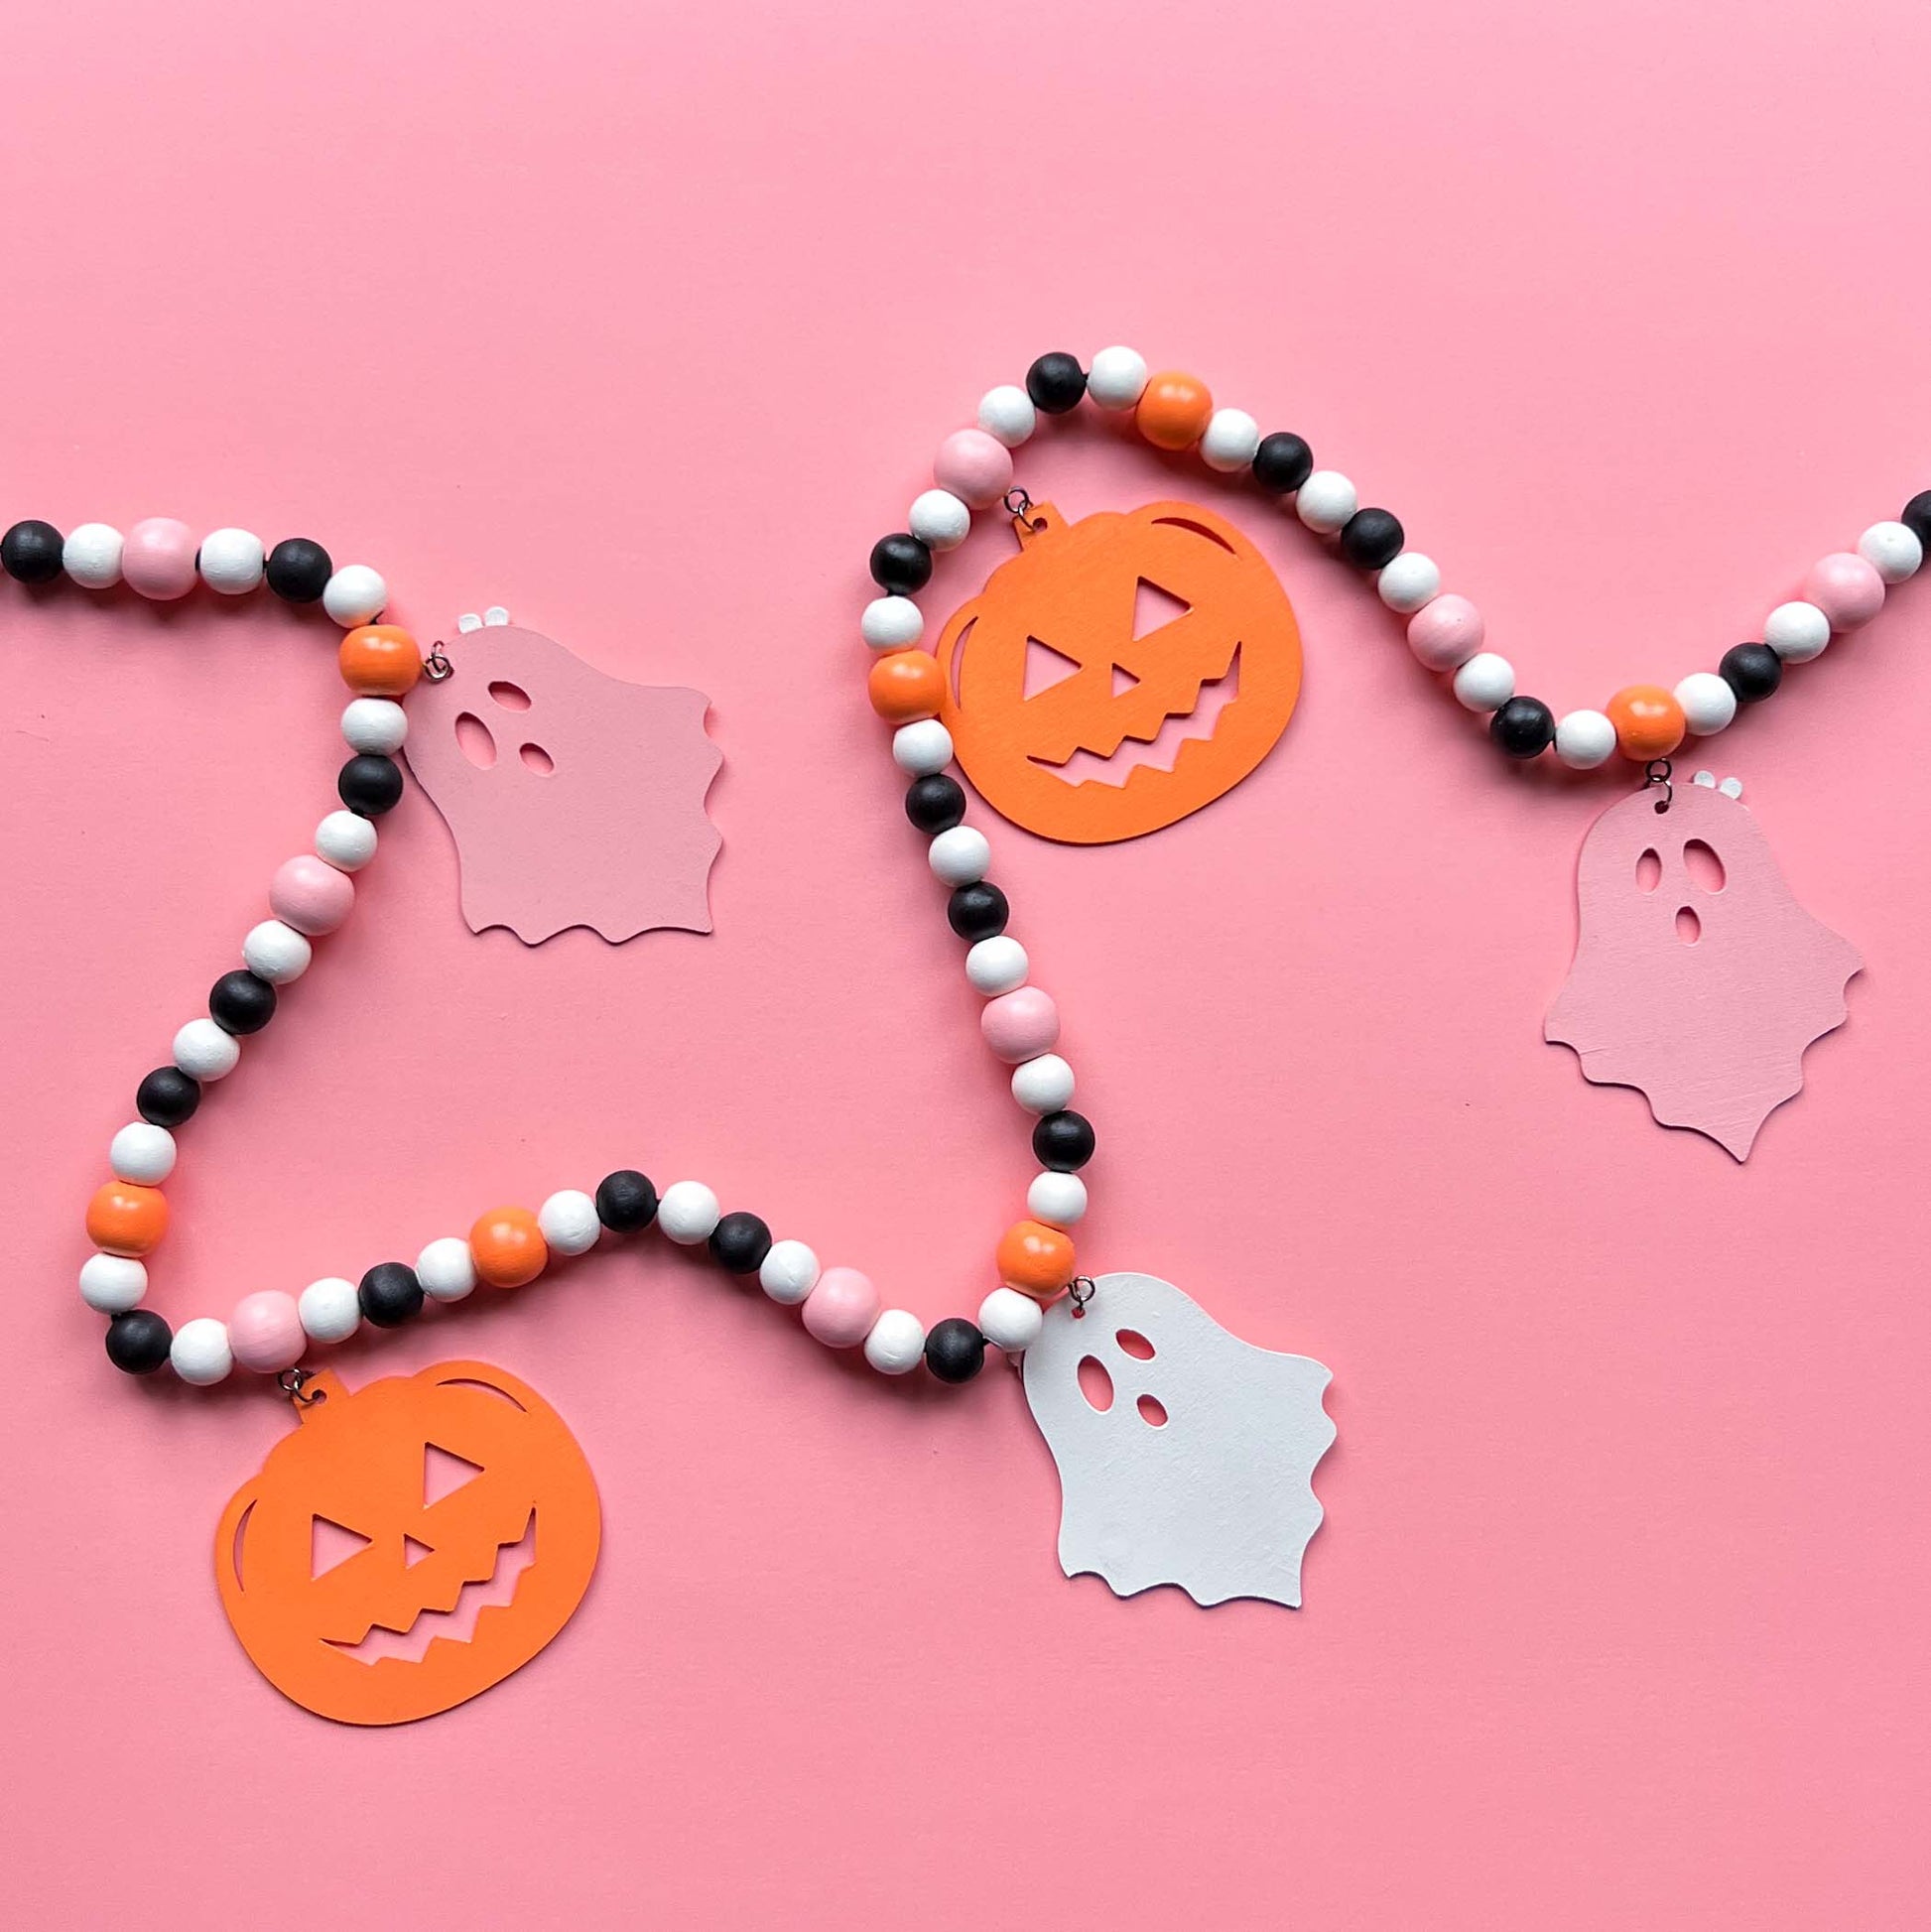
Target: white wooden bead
x=788, y=1274
x=892, y=623
x=1797, y=633
x=996, y=966
x=1007, y=413
x=91, y=555
x=231, y=560
x=940, y=520
x=276, y=952
x=1229, y=441
x=1011, y=1321
x=200, y=1353
x=142, y=1153
x=896, y=1344
x=1485, y=682
x=328, y=1309
x=376, y=725
x=111, y=1284
x=922, y=747
x=446, y=1270
x=1117, y=379
x=1583, y=739
x=1707, y=703
x=346, y=840
x=354, y=596
x=688, y=1212
x=1409, y=582
x=1326, y=501
x=960, y=857
x=1060, y=1199
x=1043, y=1084
x=203, y=1049
x=570, y=1222
x=1892, y=550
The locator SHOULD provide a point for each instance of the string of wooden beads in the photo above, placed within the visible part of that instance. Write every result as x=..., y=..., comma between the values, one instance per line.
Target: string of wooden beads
x=1176, y=413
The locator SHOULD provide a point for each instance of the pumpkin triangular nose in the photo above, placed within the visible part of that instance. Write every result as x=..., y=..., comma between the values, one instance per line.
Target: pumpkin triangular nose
x=414, y=1552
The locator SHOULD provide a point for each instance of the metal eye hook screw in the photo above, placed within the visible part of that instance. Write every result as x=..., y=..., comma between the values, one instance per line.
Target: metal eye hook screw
x=1657, y=772
x=294, y=1383
x=1081, y=1289
x=437, y=666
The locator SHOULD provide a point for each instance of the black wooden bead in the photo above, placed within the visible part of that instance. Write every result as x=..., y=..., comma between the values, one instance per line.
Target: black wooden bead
x=955, y=1350
x=31, y=551
x=167, y=1097
x=390, y=1294
x=1370, y=538
x=369, y=784
x=934, y=803
x=1056, y=382
x=299, y=570
x=901, y=564
x=739, y=1243
x=138, y=1341
x=1753, y=670
x=1916, y=514
x=1524, y=727
x=625, y=1201
x=977, y=912
x=241, y=1002
x=1283, y=463
x=1063, y=1141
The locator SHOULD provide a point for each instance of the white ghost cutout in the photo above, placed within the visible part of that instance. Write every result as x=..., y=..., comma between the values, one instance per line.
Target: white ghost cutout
x=1200, y=1471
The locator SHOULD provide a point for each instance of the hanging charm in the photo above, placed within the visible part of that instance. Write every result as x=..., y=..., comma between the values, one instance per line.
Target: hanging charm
x=1120, y=671
x=1186, y=1455
x=1697, y=977
x=413, y=1543
x=575, y=799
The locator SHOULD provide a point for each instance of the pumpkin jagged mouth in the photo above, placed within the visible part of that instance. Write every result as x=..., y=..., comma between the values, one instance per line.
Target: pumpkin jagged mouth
x=1162, y=751
x=458, y=1624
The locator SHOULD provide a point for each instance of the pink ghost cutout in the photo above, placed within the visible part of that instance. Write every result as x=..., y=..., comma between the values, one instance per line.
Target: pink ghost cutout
x=1697, y=977
x=575, y=797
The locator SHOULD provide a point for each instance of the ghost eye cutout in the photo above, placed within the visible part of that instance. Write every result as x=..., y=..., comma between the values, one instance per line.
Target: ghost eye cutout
x=472, y=734
x=444, y=1473
x=1702, y=865
x=1095, y=1384
x=1650, y=870
x=1134, y=1344
x=512, y=697
x=331, y=1544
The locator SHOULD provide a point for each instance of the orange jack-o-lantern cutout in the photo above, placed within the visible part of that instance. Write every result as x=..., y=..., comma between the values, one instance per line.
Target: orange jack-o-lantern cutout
x=1120, y=671
x=410, y=1545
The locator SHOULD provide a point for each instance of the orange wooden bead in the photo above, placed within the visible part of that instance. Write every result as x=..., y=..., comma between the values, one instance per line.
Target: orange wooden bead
x=1173, y=410
x=380, y=660
x=905, y=684
x=1035, y=1258
x=508, y=1248
x=1648, y=721
x=125, y=1219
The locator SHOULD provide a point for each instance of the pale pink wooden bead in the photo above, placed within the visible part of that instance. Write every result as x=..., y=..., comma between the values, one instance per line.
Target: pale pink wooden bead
x=974, y=466
x=158, y=558
x=265, y=1332
x=1847, y=590
x=308, y=894
x=840, y=1310
x=1019, y=1024
x=1446, y=632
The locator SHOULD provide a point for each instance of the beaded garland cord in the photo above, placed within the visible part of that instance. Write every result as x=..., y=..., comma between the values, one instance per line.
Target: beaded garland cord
x=311, y=895
x=1174, y=412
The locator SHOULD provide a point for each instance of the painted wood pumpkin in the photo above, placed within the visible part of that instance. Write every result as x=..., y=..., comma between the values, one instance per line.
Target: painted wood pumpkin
x=1120, y=671
x=411, y=1544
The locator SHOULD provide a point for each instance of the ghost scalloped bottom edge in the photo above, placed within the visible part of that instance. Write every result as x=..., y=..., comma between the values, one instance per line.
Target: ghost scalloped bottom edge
x=1698, y=979
x=1186, y=1455
x=411, y=1544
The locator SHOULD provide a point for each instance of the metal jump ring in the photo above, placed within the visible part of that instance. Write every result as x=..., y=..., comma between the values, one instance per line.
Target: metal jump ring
x=1083, y=1288
x=1657, y=772
x=437, y=666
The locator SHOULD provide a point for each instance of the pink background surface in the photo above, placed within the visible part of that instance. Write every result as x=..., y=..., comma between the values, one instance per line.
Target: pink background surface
x=646, y=328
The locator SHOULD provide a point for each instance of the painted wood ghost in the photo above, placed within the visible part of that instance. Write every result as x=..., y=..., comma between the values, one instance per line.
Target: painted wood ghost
x=1697, y=977
x=575, y=799
x=1186, y=1455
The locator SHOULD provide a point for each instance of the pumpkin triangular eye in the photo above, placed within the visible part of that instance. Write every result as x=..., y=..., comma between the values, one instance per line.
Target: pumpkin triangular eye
x=331, y=1544
x=1153, y=608
x=445, y=1471
x=1046, y=667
